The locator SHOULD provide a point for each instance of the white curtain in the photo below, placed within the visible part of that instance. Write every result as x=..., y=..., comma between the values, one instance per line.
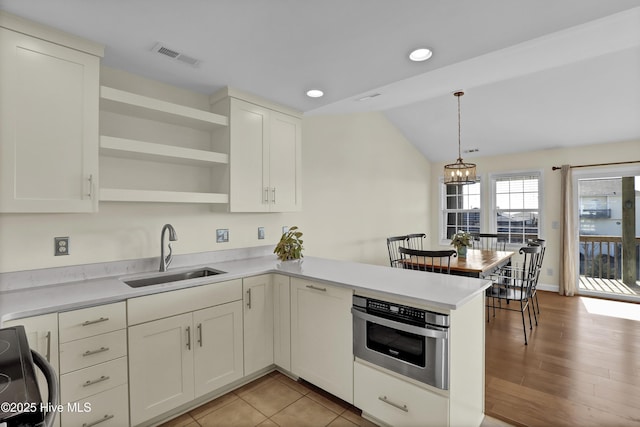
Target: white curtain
x=568, y=244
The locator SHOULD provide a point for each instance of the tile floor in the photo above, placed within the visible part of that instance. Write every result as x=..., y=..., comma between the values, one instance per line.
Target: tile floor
x=277, y=400
x=273, y=400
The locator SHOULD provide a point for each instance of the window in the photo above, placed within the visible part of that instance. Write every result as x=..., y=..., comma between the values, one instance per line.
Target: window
x=461, y=209
x=516, y=204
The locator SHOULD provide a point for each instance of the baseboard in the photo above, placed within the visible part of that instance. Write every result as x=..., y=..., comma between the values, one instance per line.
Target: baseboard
x=548, y=287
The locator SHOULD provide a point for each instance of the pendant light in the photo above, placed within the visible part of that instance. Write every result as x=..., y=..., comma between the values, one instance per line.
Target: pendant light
x=459, y=173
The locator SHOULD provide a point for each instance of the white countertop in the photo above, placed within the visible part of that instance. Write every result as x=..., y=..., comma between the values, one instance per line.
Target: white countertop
x=431, y=289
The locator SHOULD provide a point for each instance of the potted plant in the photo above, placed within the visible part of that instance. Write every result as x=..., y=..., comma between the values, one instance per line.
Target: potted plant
x=461, y=240
x=290, y=245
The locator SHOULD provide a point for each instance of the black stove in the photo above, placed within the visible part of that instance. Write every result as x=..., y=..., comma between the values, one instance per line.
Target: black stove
x=19, y=394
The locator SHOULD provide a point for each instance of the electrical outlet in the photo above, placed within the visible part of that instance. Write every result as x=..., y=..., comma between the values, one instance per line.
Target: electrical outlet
x=549, y=271
x=222, y=235
x=260, y=233
x=285, y=228
x=61, y=246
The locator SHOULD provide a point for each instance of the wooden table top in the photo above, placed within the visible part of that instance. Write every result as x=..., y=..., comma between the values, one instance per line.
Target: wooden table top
x=477, y=261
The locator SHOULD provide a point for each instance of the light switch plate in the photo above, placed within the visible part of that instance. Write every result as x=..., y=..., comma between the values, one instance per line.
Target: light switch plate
x=61, y=246
x=260, y=233
x=285, y=228
x=222, y=235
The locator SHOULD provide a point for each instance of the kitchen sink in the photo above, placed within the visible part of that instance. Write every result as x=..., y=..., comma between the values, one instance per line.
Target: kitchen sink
x=173, y=277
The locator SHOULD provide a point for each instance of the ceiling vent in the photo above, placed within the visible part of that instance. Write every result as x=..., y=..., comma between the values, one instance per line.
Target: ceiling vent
x=161, y=49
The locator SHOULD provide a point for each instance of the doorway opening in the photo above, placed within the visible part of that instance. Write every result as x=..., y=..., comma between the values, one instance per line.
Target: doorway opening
x=609, y=246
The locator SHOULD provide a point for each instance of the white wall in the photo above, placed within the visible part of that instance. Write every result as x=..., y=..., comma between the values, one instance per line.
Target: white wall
x=362, y=181
x=538, y=160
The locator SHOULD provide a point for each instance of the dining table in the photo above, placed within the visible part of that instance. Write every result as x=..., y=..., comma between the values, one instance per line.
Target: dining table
x=477, y=263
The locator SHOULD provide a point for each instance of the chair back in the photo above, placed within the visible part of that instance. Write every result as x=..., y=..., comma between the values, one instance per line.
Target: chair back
x=542, y=244
x=434, y=261
x=489, y=242
x=414, y=241
x=393, y=244
x=530, y=268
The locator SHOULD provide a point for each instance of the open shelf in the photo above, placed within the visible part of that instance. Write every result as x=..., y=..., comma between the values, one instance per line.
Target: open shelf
x=133, y=149
x=123, y=102
x=124, y=195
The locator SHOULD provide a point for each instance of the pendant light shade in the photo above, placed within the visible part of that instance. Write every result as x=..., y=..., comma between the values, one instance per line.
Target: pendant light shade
x=459, y=173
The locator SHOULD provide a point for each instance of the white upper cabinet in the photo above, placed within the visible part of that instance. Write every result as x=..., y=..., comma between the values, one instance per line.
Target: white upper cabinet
x=49, y=115
x=264, y=154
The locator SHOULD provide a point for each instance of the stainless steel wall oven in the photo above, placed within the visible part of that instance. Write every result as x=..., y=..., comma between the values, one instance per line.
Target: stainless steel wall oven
x=407, y=340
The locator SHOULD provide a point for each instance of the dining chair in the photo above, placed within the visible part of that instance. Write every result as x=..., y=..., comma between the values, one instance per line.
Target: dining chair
x=489, y=242
x=393, y=244
x=414, y=241
x=516, y=284
x=542, y=244
x=433, y=261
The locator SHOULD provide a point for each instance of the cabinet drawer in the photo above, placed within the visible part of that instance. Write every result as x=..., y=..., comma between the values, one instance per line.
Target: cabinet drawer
x=93, y=380
x=396, y=402
x=90, y=351
x=167, y=304
x=107, y=409
x=87, y=322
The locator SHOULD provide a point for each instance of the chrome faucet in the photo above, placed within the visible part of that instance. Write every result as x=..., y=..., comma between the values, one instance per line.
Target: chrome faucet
x=165, y=261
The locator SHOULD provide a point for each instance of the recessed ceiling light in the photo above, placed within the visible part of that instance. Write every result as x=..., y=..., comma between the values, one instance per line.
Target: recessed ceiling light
x=315, y=93
x=421, y=54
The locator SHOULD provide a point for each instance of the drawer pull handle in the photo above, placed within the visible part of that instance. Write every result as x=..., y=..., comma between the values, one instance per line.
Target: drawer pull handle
x=101, y=420
x=249, y=299
x=317, y=288
x=188, y=337
x=200, y=334
x=96, y=381
x=395, y=405
x=93, y=322
x=91, y=352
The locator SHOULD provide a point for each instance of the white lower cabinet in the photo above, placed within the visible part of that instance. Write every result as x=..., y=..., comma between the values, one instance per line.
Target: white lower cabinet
x=258, y=322
x=176, y=359
x=107, y=409
x=397, y=402
x=218, y=347
x=93, y=366
x=282, y=321
x=42, y=334
x=321, y=336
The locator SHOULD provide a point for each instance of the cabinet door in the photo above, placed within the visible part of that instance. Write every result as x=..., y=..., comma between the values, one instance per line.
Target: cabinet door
x=42, y=334
x=49, y=132
x=160, y=366
x=249, y=157
x=217, y=343
x=285, y=145
x=321, y=336
x=258, y=323
x=281, y=322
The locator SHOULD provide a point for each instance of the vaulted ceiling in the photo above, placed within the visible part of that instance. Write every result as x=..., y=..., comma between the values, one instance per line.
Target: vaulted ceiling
x=536, y=73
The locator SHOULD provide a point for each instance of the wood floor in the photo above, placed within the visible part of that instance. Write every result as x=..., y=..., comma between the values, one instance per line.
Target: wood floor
x=579, y=369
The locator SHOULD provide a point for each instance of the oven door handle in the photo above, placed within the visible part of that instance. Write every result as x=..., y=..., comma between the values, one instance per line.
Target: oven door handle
x=427, y=331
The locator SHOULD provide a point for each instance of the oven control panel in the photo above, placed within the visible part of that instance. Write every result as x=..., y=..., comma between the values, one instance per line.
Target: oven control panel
x=400, y=312
x=396, y=309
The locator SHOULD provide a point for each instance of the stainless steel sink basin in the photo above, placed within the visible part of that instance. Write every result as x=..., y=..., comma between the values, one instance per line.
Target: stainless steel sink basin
x=173, y=277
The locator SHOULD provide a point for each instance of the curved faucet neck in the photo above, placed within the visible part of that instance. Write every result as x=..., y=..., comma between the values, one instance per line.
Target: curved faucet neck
x=165, y=261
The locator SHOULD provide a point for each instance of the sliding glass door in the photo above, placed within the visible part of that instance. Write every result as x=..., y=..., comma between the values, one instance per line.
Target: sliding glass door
x=608, y=206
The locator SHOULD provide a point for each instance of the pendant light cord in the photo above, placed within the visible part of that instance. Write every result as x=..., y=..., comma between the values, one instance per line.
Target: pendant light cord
x=459, y=153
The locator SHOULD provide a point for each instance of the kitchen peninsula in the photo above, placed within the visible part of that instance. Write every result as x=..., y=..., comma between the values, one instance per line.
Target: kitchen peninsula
x=284, y=296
